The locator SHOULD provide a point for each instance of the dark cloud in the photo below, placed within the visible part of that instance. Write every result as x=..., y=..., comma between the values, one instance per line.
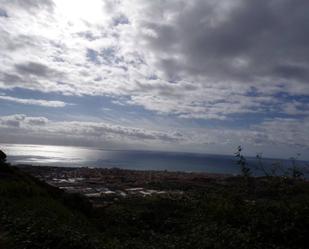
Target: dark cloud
x=34, y=68
x=249, y=39
x=292, y=71
x=8, y=79
x=15, y=79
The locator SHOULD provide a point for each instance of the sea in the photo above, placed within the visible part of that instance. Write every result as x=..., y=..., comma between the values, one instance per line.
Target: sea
x=66, y=156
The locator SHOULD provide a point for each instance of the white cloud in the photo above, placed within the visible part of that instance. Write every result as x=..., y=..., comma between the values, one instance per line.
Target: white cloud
x=39, y=102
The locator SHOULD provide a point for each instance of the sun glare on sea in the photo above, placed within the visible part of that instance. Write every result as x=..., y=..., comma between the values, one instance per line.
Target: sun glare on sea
x=77, y=10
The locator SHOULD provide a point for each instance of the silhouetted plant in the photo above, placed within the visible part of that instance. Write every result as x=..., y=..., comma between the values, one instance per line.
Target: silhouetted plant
x=273, y=168
x=296, y=171
x=261, y=166
x=242, y=162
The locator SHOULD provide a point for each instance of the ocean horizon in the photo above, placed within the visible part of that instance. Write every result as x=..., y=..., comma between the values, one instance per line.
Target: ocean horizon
x=68, y=156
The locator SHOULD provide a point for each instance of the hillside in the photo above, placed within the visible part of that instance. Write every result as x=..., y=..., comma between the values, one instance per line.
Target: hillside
x=36, y=215
x=232, y=213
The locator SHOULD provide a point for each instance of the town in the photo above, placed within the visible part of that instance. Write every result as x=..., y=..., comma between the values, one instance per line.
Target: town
x=103, y=186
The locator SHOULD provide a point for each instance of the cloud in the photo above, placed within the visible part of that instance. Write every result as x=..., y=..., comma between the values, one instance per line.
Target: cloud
x=210, y=105
x=93, y=131
x=273, y=137
x=288, y=131
x=39, y=102
x=230, y=64
x=36, y=121
x=22, y=121
x=296, y=108
x=33, y=68
x=242, y=41
x=29, y=4
x=197, y=59
x=3, y=13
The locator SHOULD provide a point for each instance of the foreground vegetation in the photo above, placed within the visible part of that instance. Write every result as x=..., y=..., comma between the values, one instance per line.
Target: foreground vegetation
x=237, y=212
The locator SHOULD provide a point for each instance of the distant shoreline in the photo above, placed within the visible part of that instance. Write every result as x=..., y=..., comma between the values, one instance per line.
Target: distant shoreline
x=69, y=168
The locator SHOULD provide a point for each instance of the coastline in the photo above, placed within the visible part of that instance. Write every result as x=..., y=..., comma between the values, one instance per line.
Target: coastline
x=104, y=186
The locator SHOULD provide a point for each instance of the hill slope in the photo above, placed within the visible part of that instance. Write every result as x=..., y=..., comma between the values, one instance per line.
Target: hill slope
x=36, y=215
x=231, y=213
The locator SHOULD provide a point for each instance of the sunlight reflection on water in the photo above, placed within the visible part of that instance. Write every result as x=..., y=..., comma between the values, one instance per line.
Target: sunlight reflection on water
x=144, y=160
x=47, y=154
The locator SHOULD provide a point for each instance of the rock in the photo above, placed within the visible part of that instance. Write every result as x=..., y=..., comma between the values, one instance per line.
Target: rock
x=2, y=156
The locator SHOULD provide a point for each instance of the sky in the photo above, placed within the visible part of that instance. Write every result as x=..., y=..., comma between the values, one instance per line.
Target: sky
x=172, y=75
